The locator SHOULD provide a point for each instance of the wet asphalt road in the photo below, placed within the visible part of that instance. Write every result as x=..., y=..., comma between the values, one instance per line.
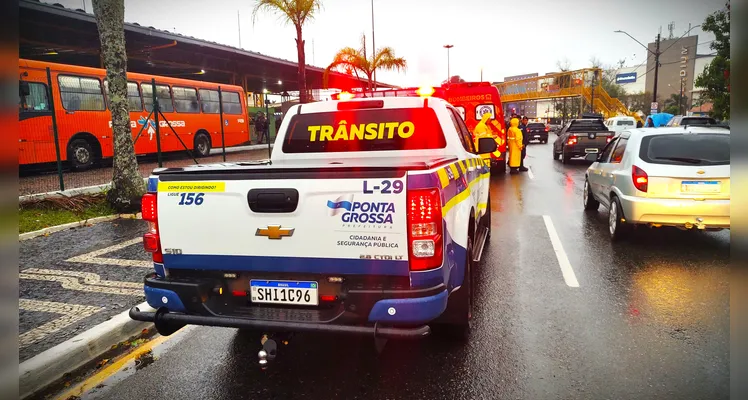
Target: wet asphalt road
x=650, y=319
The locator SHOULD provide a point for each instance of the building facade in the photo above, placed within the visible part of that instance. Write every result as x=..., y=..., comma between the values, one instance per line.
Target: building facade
x=677, y=67
x=632, y=79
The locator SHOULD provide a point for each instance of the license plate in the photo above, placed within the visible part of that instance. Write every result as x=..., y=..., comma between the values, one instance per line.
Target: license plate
x=284, y=292
x=537, y=136
x=700, y=187
x=591, y=150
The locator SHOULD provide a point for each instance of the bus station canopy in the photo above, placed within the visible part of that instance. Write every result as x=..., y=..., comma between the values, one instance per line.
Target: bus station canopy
x=53, y=33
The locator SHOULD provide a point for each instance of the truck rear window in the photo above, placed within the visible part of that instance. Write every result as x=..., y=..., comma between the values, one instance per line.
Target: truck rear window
x=364, y=130
x=587, y=125
x=689, y=149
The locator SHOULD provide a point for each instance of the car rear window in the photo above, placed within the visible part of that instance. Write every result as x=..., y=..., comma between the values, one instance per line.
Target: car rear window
x=686, y=149
x=536, y=126
x=364, y=130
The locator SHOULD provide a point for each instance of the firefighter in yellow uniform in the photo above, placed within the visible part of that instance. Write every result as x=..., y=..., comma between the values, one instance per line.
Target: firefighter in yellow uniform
x=482, y=129
x=514, y=141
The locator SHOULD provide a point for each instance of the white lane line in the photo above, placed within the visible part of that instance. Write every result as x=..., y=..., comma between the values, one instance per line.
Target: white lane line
x=94, y=256
x=563, y=261
x=71, y=313
x=529, y=173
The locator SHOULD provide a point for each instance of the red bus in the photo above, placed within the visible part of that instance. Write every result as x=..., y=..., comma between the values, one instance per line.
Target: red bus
x=84, y=127
x=471, y=99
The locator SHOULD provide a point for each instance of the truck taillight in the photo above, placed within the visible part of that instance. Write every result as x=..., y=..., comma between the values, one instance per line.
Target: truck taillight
x=151, y=240
x=547, y=129
x=572, y=140
x=609, y=139
x=640, y=178
x=425, y=229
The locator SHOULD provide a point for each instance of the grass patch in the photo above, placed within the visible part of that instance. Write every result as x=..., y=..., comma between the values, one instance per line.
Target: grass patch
x=43, y=213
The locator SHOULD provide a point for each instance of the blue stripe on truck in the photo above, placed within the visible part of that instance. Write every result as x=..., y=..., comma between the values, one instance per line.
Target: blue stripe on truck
x=310, y=265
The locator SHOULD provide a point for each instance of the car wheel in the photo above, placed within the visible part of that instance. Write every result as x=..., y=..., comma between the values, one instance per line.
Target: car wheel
x=80, y=154
x=555, y=154
x=590, y=204
x=544, y=141
x=487, y=219
x=202, y=145
x=617, y=226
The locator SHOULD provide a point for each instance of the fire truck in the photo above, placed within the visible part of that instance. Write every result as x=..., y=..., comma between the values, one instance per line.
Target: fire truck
x=471, y=99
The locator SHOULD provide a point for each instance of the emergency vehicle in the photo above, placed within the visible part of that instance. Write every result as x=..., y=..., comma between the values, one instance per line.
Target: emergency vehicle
x=470, y=99
x=367, y=220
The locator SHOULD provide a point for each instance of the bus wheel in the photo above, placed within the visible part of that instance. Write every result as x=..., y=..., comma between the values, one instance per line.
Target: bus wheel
x=202, y=145
x=80, y=154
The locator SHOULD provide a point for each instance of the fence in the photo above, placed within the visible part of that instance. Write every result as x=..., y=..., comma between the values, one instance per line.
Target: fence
x=68, y=143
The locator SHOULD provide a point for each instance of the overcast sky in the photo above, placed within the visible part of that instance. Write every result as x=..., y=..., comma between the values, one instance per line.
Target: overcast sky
x=504, y=37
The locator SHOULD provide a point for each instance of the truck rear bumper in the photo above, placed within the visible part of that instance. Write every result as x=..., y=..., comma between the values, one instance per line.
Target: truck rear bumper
x=386, y=313
x=163, y=316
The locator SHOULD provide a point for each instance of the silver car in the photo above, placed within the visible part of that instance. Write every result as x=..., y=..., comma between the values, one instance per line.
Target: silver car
x=662, y=177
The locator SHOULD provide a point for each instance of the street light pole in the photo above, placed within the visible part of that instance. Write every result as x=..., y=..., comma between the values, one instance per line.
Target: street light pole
x=448, y=46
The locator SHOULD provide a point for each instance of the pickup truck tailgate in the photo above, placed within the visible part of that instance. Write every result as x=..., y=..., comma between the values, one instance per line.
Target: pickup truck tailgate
x=345, y=225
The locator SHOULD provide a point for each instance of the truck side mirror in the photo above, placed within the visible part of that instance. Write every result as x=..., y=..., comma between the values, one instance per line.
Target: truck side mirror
x=486, y=145
x=23, y=89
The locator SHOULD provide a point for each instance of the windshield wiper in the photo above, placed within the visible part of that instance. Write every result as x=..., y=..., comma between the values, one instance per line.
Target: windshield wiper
x=682, y=159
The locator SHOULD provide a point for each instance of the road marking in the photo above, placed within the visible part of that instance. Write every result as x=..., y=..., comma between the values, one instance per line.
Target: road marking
x=71, y=313
x=91, y=282
x=563, y=261
x=94, y=256
x=529, y=173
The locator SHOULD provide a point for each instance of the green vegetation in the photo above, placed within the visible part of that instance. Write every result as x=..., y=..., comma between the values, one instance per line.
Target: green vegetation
x=353, y=60
x=715, y=79
x=39, y=214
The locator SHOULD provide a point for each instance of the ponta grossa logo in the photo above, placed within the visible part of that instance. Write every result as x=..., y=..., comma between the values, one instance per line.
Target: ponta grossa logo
x=151, y=126
x=371, y=212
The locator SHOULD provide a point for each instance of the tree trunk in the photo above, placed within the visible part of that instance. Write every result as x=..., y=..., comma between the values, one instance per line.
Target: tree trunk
x=127, y=183
x=302, y=66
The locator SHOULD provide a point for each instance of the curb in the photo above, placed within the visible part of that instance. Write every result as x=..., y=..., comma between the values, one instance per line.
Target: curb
x=52, y=364
x=78, y=224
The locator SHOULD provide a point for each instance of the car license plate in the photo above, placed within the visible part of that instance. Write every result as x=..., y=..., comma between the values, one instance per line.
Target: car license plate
x=591, y=150
x=700, y=187
x=537, y=136
x=284, y=292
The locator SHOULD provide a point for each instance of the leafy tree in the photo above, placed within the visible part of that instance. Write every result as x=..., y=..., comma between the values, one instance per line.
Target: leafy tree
x=356, y=60
x=127, y=183
x=638, y=101
x=673, y=104
x=715, y=80
x=296, y=12
x=608, y=78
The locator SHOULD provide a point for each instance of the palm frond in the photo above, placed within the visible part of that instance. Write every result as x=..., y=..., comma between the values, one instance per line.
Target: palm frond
x=295, y=12
x=385, y=59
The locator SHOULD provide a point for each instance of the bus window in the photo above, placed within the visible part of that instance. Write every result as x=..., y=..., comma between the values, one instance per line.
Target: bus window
x=185, y=100
x=209, y=101
x=81, y=94
x=36, y=100
x=134, y=102
x=231, y=103
x=164, y=97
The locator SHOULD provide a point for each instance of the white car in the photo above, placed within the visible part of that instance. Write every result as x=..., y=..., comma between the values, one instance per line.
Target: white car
x=620, y=123
x=662, y=177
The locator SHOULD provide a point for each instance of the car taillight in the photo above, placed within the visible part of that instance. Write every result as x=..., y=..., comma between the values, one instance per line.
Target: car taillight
x=572, y=140
x=609, y=139
x=424, y=229
x=640, y=178
x=547, y=129
x=151, y=240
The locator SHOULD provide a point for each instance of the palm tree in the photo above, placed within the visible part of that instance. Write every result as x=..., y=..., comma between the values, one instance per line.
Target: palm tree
x=127, y=183
x=297, y=12
x=350, y=59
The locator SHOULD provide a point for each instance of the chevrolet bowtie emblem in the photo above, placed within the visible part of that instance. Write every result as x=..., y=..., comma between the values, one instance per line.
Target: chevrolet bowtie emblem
x=701, y=172
x=274, y=232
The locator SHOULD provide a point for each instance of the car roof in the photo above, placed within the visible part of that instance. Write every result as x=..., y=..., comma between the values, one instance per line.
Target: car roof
x=675, y=130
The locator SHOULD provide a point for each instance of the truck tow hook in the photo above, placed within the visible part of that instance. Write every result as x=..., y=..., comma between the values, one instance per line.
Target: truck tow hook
x=268, y=352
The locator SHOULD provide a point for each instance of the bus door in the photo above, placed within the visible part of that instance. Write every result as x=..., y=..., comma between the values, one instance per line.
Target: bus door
x=36, y=136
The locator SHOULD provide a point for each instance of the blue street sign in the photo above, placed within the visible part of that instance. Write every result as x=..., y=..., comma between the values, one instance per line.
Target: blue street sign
x=629, y=77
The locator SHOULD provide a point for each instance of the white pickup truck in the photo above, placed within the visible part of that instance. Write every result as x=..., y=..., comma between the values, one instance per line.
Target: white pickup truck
x=367, y=219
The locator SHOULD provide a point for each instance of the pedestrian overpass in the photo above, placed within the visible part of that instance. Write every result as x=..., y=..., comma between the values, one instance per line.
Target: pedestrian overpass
x=559, y=85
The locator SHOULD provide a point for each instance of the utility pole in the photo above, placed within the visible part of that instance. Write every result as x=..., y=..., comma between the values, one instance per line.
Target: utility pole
x=373, y=45
x=448, y=46
x=239, y=25
x=657, y=68
x=592, y=95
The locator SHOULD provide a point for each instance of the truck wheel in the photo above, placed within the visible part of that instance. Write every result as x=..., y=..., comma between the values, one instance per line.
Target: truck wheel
x=202, y=145
x=80, y=154
x=565, y=157
x=555, y=154
x=459, y=310
x=498, y=168
x=590, y=204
